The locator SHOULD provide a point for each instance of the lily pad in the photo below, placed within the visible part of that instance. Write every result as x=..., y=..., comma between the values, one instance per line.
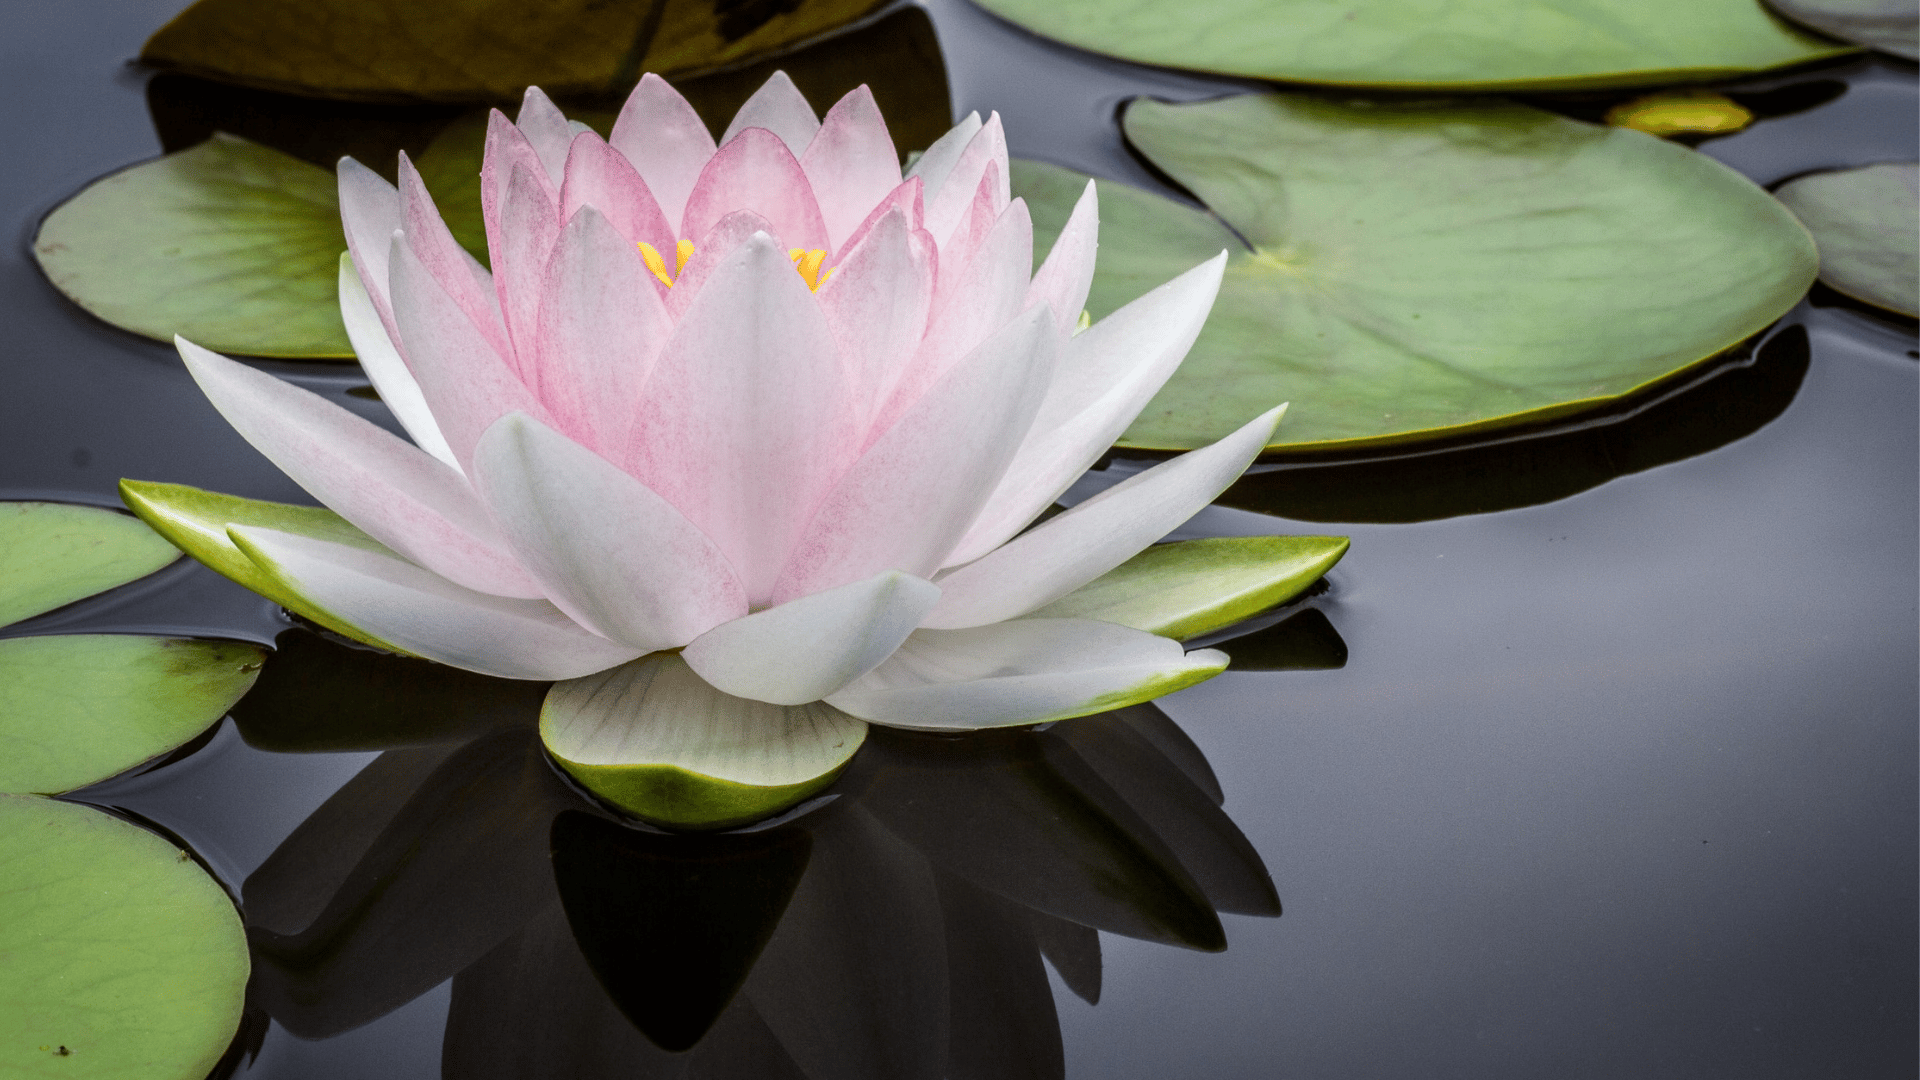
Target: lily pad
x=120, y=959
x=1192, y=587
x=478, y=50
x=52, y=554
x=229, y=244
x=1411, y=271
x=1888, y=25
x=1867, y=223
x=78, y=708
x=1483, y=44
x=654, y=739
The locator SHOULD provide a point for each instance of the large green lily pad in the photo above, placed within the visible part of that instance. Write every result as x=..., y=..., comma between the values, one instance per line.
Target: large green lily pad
x=229, y=244
x=1421, y=270
x=1888, y=25
x=1482, y=44
x=478, y=50
x=78, y=708
x=52, y=554
x=1867, y=223
x=120, y=959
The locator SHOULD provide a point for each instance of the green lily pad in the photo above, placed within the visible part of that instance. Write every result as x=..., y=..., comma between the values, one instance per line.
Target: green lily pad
x=78, y=708
x=1192, y=587
x=196, y=521
x=1421, y=270
x=1888, y=25
x=120, y=959
x=1867, y=223
x=52, y=554
x=229, y=244
x=477, y=50
x=1481, y=44
x=654, y=739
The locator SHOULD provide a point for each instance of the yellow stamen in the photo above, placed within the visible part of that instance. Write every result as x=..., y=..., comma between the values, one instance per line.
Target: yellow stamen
x=684, y=251
x=659, y=265
x=808, y=263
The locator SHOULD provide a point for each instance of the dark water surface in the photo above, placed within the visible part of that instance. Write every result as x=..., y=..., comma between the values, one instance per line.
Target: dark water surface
x=1595, y=759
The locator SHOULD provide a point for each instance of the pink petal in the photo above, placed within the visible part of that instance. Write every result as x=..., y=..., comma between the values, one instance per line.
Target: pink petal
x=713, y=249
x=908, y=499
x=747, y=417
x=600, y=327
x=666, y=140
x=1065, y=278
x=526, y=233
x=905, y=198
x=778, y=106
x=369, y=213
x=601, y=177
x=545, y=127
x=394, y=491
x=877, y=302
x=613, y=555
x=507, y=147
x=938, y=160
x=851, y=164
x=466, y=382
x=957, y=251
x=756, y=172
x=947, y=205
x=469, y=283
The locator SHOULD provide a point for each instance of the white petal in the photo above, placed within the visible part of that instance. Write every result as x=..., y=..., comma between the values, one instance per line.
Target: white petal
x=546, y=128
x=1068, y=551
x=613, y=555
x=938, y=160
x=805, y=649
x=426, y=614
x=781, y=108
x=384, y=367
x=1106, y=376
x=1065, y=278
x=369, y=213
x=1022, y=672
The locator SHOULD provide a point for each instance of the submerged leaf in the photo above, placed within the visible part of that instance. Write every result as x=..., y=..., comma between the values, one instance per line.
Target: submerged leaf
x=1888, y=25
x=1505, y=44
x=230, y=245
x=120, y=959
x=1681, y=112
x=52, y=554
x=1867, y=223
x=1193, y=587
x=1421, y=270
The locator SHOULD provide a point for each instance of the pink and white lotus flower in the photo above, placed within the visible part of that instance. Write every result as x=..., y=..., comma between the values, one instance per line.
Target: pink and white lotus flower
x=765, y=417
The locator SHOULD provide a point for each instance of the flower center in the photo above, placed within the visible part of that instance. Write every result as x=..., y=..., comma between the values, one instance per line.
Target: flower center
x=805, y=261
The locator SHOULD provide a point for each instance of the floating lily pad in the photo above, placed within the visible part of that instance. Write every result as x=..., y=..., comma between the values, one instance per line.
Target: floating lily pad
x=78, y=708
x=1888, y=25
x=120, y=959
x=1867, y=223
x=52, y=554
x=653, y=738
x=231, y=245
x=1506, y=44
x=1193, y=587
x=1421, y=270
x=478, y=50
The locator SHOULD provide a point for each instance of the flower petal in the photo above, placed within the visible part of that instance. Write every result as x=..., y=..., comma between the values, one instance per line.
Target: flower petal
x=1065, y=278
x=601, y=177
x=778, y=106
x=545, y=127
x=877, y=303
x=901, y=505
x=851, y=164
x=528, y=227
x=380, y=359
x=506, y=147
x=747, y=418
x=613, y=555
x=947, y=206
x=1027, y=671
x=394, y=491
x=369, y=213
x=937, y=161
x=905, y=198
x=805, y=649
x=427, y=615
x=460, y=274
x=719, y=242
x=1106, y=376
x=666, y=141
x=1064, y=553
x=600, y=327
x=756, y=172
x=467, y=384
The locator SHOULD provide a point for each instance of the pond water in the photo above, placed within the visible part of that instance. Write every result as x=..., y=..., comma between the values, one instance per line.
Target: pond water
x=1594, y=758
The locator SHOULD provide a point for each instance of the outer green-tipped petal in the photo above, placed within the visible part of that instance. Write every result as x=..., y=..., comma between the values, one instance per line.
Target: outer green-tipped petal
x=805, y=649
x=1046, y=563
x=1193, y=587
x=422, y=613
x=657, y=740
x=1023, y=672
x=196, y=521
x=53, y=554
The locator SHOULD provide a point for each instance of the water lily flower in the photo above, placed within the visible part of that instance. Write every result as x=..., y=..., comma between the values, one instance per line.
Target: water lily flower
x=738, y=441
